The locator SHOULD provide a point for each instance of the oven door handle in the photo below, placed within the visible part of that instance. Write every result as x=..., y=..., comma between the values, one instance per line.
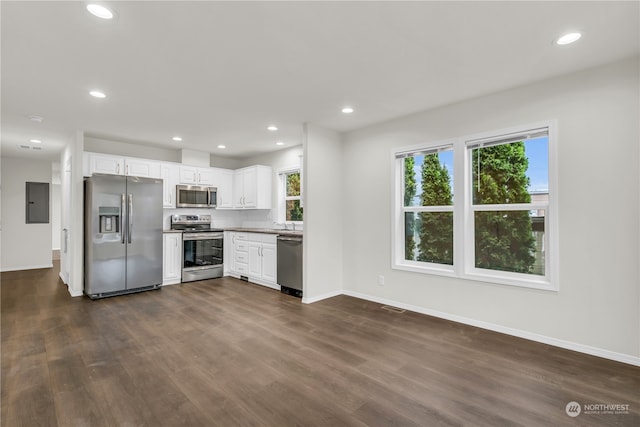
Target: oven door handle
x=204, y=236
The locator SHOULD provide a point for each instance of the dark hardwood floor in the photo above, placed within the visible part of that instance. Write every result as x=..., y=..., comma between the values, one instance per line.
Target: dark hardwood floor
x=225, y=353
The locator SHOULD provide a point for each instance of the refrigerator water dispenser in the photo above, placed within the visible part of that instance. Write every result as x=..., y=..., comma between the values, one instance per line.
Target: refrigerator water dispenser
x=109, y=219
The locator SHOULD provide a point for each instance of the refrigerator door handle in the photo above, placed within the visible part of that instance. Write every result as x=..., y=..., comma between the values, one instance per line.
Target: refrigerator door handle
x=130, y=214
x=122, y=218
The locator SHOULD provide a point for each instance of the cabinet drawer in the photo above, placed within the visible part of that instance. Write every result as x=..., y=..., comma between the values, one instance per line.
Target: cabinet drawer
x=242, y=257
x=242, y=246
x=241, y=236
x=241, y=268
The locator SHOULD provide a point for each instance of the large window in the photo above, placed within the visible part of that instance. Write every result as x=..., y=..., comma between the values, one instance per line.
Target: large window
x=501, y=227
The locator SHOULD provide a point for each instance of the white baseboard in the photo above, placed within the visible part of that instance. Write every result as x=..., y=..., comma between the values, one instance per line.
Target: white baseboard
x=75, y=293
x=26, y=267
x=311, y=300
x=65, y=279
x=581, y=348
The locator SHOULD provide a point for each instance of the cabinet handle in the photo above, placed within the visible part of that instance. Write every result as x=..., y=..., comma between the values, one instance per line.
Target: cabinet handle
x=127, y=171
x=118, y=169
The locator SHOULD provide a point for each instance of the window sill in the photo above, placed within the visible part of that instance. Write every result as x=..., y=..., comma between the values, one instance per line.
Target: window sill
x=478, y=275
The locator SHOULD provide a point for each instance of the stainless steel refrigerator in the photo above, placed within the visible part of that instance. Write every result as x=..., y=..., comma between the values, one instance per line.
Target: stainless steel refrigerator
x=122, y=235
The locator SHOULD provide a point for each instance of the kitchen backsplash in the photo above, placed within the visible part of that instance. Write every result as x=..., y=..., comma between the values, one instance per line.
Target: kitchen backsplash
x=220, y=218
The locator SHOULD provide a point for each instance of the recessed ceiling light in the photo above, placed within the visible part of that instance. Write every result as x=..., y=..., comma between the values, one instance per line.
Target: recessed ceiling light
x=36, y=119
x=279, y=143
x=177, y=138
x=222, y=146
x=97, y=94
x=272, y=128
x=347, y=110
x=568, y=38
x=35, y=141
x=99, y=11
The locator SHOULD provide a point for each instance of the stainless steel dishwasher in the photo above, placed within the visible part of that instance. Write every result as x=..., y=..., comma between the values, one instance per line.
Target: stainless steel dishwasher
x=290, y=264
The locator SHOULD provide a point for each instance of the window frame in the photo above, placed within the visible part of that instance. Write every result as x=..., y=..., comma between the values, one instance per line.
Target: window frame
x=282, y=194
x=414, y=264
x=463, y=214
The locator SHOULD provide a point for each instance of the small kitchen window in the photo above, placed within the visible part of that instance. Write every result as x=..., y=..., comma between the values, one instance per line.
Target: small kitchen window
x=290, y=196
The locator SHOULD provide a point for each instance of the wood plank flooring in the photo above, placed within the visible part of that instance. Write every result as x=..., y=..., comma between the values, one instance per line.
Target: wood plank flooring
x=227, y=353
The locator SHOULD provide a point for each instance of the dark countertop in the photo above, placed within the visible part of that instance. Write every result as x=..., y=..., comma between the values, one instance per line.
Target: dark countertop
x=172, y=231
x=278, y=231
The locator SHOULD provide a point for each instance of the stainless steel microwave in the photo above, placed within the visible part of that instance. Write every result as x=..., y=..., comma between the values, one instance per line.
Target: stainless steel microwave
x=196, y=196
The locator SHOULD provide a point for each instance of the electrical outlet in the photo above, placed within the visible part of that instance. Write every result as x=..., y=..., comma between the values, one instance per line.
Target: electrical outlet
x=381, y=280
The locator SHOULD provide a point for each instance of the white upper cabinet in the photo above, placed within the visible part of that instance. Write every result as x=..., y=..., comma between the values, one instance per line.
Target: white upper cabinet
x=142, y=168
x=223, y=181
x=252, y=188
x=206, y=176
x=117, y=165
x=193, y=175
x=103, y=163
x=246, y=188
x=169, y=174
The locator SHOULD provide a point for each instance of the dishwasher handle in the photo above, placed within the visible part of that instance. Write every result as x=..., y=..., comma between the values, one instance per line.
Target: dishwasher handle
x=289, y=239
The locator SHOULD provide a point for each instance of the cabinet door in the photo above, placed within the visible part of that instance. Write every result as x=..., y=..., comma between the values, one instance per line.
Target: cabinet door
x=238, y=189
x=106, y=164
x=188, y=175
x=229, y=252
x=169, y=175
x=269, y=262
x=172, y=252
x=250, y=186
x=255, y=259
x=206, y=176
x=142, y=168
x=223, y=180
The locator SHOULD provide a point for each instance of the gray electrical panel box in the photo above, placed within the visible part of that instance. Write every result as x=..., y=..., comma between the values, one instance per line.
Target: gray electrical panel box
x=37, y=203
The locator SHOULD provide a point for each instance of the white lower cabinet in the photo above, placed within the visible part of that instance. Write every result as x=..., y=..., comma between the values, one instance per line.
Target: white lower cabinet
x=254, y=257
x=269, y=261
x=172, y=258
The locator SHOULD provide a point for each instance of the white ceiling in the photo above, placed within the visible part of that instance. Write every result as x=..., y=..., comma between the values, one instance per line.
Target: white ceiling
x=221, y=72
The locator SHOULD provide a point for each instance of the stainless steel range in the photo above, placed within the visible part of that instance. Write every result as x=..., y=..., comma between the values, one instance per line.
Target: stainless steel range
x=202, y=256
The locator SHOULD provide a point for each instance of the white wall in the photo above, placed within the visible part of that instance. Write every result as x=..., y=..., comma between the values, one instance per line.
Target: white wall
x=223, y=162
x=597, y=309
x=24, y=246
x=56, y=230
x=56, y=208
x=323, y=215
x=131, y=149
x=72, y=212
